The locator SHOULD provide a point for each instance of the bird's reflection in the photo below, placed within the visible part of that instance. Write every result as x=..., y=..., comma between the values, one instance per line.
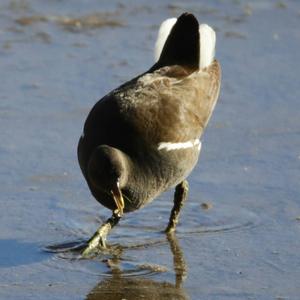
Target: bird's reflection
x=133, y=288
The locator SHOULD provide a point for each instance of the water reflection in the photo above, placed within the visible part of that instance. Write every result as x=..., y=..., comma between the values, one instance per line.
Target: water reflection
x=121, y=287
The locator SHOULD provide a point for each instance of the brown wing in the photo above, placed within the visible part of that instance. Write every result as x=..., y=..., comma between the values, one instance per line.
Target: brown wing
x=172, y=104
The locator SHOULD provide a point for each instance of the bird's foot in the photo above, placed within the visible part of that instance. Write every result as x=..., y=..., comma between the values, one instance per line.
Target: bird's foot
x=98, y=241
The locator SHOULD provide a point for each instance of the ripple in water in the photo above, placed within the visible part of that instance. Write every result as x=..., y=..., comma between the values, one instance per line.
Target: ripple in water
x=106, y=263
x=129, y=243
x=220, y=219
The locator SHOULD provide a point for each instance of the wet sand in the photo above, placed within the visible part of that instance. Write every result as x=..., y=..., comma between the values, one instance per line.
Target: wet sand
x=238, y=236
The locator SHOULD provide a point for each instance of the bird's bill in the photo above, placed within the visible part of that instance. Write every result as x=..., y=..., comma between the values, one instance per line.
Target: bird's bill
x=118, y=197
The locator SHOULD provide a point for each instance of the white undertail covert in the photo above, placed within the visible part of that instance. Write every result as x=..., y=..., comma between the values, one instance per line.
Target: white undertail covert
x=207, y=42
x=163, y=33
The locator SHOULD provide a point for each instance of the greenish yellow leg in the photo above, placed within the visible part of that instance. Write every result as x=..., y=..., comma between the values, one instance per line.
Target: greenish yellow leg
x=180, y=196
x=98, y=240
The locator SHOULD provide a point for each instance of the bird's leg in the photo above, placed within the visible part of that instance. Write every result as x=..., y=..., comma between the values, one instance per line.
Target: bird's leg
x=180, y=196
x=99, y=237
x=98, y=240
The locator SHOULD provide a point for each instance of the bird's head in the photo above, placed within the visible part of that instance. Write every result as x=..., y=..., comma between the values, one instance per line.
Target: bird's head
x=108, y=171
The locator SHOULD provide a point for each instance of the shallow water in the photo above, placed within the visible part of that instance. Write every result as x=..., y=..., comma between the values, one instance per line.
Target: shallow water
x=57, y=58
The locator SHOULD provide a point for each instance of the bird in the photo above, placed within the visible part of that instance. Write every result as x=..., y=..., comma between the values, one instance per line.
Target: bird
x=143, y=137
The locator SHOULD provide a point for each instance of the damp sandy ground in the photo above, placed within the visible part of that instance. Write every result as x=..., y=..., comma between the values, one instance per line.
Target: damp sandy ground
x=239, y=235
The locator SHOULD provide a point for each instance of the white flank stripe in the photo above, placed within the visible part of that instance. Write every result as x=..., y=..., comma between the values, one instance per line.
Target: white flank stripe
x=199, y=146
x=168, y=146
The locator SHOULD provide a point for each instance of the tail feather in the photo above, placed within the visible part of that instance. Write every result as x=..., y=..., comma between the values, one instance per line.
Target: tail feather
x=183, y=42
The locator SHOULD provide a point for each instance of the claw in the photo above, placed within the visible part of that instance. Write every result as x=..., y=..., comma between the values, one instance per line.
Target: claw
x=94, y=243
x=98, y=240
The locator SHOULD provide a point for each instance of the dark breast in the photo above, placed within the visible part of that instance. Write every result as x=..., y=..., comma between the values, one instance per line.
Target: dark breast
x=140, y=115
x=153, y=172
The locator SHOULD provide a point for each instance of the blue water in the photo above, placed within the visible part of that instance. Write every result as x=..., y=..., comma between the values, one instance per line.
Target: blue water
x=246, y=246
